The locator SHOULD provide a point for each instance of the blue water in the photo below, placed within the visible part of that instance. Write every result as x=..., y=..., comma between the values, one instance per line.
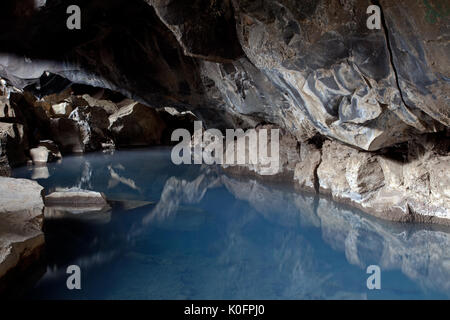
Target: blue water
x=193, y=232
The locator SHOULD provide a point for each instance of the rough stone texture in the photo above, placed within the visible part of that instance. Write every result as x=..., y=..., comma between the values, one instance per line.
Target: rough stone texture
x=46, y=151
x=93, y=123
x=75, y=197
x=308, y=67
x=419, y=44
x=61, y=109
x=266, y=164
x=39, y=155
x=311, y=68
x=52, y=148
x=65, y=203
x=13, y=139
x=411, y=189
x=201, y=27
x=107, y=105
x=6, y=111
x=77, y=121
x=21, y=217
x=67, y=135
x=136, y=125
x=5, y=168
x=306, y=169
x=364, y=174
x=338, y=73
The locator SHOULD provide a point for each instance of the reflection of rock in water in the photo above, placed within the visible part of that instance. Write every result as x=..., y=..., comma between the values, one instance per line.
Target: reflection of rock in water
x=177, y=191
x=259, y=245
x=422, y=255
x=40, y=172
x=86, y=176
x=116, y=179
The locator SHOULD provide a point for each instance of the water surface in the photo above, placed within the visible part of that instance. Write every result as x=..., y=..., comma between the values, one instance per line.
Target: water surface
x=192, y=232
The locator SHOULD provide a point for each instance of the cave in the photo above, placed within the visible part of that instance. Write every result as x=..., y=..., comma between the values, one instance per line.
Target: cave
x=339, y=135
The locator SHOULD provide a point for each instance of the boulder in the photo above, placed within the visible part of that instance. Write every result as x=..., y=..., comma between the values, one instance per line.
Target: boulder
x=109, y=106
x=53, y=150
x=364, y=174
x=67, y=135
x=273, y=165
x=331, y=172
x=77, y=203
x=62, y=109
x=76, y=200
x=39, y=155
x=14, y=141
x=93, y=124
x=136, y=125
x=6, y=111
x=46, y=151
x=306, y=169
x=413, y=189
x=21, y=236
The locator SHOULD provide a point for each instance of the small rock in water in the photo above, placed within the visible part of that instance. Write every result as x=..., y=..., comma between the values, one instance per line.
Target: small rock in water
x=47, y=151
x=39, y=155
x=76, y=197
x=85, y=204
x=53, y=150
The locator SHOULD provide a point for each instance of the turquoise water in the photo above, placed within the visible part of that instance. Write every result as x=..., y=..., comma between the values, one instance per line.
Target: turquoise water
x=193, y=232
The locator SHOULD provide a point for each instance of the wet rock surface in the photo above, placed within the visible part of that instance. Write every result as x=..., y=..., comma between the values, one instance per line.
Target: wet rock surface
x=75, y=197
x=21, y=218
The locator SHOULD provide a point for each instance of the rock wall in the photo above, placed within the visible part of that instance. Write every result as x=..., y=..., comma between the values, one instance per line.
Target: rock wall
x=377, y=100
x=39, y=125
